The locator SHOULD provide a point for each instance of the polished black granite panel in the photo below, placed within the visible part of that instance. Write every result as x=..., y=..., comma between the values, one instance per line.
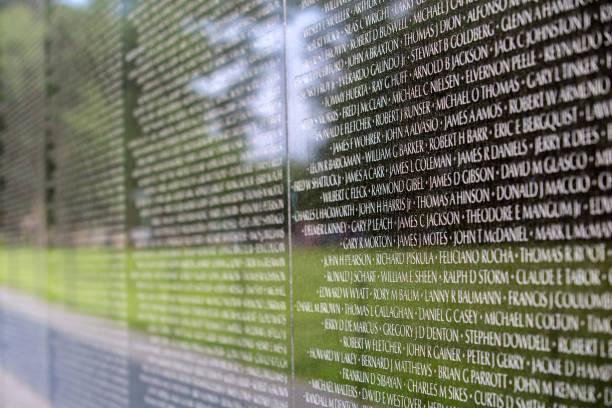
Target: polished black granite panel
x=449, y=186
x=209, y=273
x=86, y=267
x=300, y=203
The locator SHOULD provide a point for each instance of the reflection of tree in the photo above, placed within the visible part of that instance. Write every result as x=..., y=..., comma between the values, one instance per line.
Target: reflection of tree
x=86, y=102
x=306, y=105
x=23, y=117
x=317, y=68
x=211, y=97
x=22, y=218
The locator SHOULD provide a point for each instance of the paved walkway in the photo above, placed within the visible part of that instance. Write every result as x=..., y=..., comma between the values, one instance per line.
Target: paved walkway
x=50, y=353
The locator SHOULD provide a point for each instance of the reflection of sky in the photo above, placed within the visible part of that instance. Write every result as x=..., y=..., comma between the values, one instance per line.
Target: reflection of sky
x=302, y=143
x=74, y=3
x=216, y=83
x=265, y=39
x=265, y=100
x=212, y=30
x=404, y=11
x=219, y=81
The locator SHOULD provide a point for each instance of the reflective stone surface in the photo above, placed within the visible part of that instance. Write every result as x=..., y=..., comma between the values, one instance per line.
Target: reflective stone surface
x=448, y=166
x=300, y=203
x=209, y=272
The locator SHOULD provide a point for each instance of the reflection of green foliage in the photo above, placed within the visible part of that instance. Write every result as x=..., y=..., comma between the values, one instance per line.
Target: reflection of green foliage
x=91, y=281
x=75, y=119
x=79, y=67
x=94, y=282
x=88, y=280
x=85, y=100
x=20, y=64
x=22, y=68
x=23, y=268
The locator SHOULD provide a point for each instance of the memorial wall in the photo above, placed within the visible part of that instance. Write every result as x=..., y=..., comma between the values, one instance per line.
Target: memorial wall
x=302, y=203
